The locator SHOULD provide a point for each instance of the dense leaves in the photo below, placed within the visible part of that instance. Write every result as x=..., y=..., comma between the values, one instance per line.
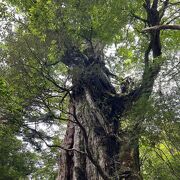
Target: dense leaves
x=16, y=161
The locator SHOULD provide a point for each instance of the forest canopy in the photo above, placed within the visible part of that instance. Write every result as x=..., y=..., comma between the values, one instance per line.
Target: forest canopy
x=89, y=89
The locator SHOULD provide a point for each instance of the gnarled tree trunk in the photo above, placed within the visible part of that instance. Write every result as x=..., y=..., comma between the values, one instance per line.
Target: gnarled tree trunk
x=93, y=131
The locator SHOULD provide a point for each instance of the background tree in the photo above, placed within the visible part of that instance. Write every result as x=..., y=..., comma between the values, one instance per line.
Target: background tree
x=16, y=161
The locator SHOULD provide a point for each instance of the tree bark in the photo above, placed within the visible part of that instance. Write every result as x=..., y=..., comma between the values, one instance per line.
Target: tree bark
x=93, y=131
x=91, y=134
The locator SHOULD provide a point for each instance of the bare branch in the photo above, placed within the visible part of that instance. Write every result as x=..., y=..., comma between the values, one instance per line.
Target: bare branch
x=175, y=3
x=176, y=17
x=63, y=89
x=167, y=20
x=161, y=27
x=54, y=145
x=139, y=18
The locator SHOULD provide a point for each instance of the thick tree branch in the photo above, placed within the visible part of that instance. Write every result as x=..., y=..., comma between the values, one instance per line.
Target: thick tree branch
x=155, y=4
x=163, y=9
x=147, y=4
x=146, y=56
x=161, y=27
x=150, y=72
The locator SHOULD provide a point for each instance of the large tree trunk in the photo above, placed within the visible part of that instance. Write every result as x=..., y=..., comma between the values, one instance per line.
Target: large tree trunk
x=98, y=150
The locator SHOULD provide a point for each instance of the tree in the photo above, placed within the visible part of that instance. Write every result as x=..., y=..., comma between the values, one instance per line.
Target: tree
x=16, y=161
x=17, y=158
x=60, y=52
